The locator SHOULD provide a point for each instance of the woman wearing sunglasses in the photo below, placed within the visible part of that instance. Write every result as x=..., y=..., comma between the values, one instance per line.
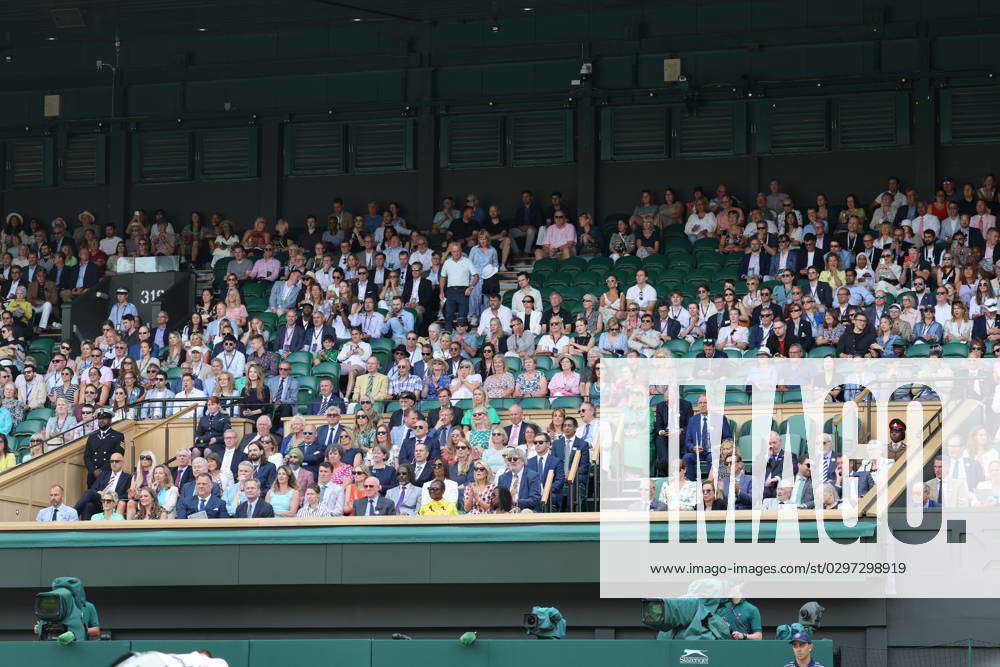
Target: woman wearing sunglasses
x=479, y=492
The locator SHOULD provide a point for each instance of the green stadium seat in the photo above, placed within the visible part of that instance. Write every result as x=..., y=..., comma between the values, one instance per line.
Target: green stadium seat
x=678, y=348
x=918, y=351
x=29, y=427
x=382, y=344
x=955, y=350
x=40, y=413
x=174, y=373
x=310, y=382
x=543, y=362
x=299, y=368
x=822, y=351
x=533, y=403
x=41, y=345
x=300, y=357
x=329, y=369
x=567, y=402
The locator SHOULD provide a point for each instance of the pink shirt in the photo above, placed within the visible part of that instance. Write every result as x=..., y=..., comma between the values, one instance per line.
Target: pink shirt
x=560, y=385
x=556, y=237
x=983, y=223
x=267, y=269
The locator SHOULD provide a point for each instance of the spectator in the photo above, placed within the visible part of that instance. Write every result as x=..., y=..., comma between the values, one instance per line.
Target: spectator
x=522, y=483
x=437, y=505
x=56, y=511
x=283, y=495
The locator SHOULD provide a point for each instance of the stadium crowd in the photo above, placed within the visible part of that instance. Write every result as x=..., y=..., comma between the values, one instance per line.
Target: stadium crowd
x=405, y=329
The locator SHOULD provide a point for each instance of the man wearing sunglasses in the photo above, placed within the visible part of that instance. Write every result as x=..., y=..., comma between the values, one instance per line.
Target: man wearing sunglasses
x=373, y=504
x=405, y=497
x=543, y=462
x=524, y=485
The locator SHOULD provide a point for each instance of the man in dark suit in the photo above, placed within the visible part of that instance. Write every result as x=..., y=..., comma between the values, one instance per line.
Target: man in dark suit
x=326, y=398
x=408, y=449
x=810, y=256
x=317, y=331
x=818, y=290
x=528, y=219
x=515, y=430
x=264, y=470
x=254, y=507
x=373, y=504
x=662, y=425
x=115, y=480
x=328, y=434
x=202, y=501
x=986, y=327
x=545, y=461
x=229, y=447
x=742, y=484
x=698, y=439
x=755, y=261
x=852, y=239
x=523, y=483
x=84, y=276
x=363, y=287
x=419, y=294
x=291, y=336
x=444, y=397
x=775, y=465
x=566, y=446
x=422, y=470
x=182, y=472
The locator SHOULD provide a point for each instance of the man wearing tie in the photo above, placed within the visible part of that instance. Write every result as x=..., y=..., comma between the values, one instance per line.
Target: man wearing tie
x=405, y=497
x=515, y=432
x=326, y=398
x=566, y=446
x=419, y=437
x=662, y=424
x=202, y=501
x=828, y=460
x=525, y=490
x=114, y=480
x=284, y=390
x=776, y=465
x=253, y=507
x=56, y=511
x=182, y=471
x=373, y=504
x=545, y=461
x=329, y=433
x=698, y=439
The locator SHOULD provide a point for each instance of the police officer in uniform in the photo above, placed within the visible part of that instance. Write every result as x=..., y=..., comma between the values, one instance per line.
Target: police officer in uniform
x=802, y=647
x=101, y=444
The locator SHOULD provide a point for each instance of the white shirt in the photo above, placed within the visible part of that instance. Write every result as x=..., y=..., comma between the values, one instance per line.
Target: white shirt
x=680, y=314
x=641, y=295
x=503, y=314
x=356, y=358
x=696, y=225
x=458, y=274
x=517, y=304
x=234, y=362
x=923, y=223
x=547, y=344
x=422, y=256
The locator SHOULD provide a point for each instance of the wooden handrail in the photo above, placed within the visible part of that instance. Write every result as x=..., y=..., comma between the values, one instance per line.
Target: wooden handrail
x=547, y=489
x=574, y=468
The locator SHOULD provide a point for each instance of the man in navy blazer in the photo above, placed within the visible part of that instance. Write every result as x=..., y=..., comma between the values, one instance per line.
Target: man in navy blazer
x=776, y=464
x=698, y=438
x=785, y=258
x=202, y=501
x=743, y=491
x=117, y=479
x=264, y=471
x=528, y=493
x=408, y=449
x=763, y=260
x=661, y=424
x=814, y=287
x=285, y=342
x=373, y=504
x=544, y=461
x=566, y=446
x=229, y=441
x=326, y=398
x=254, y=507
x=982, y=324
